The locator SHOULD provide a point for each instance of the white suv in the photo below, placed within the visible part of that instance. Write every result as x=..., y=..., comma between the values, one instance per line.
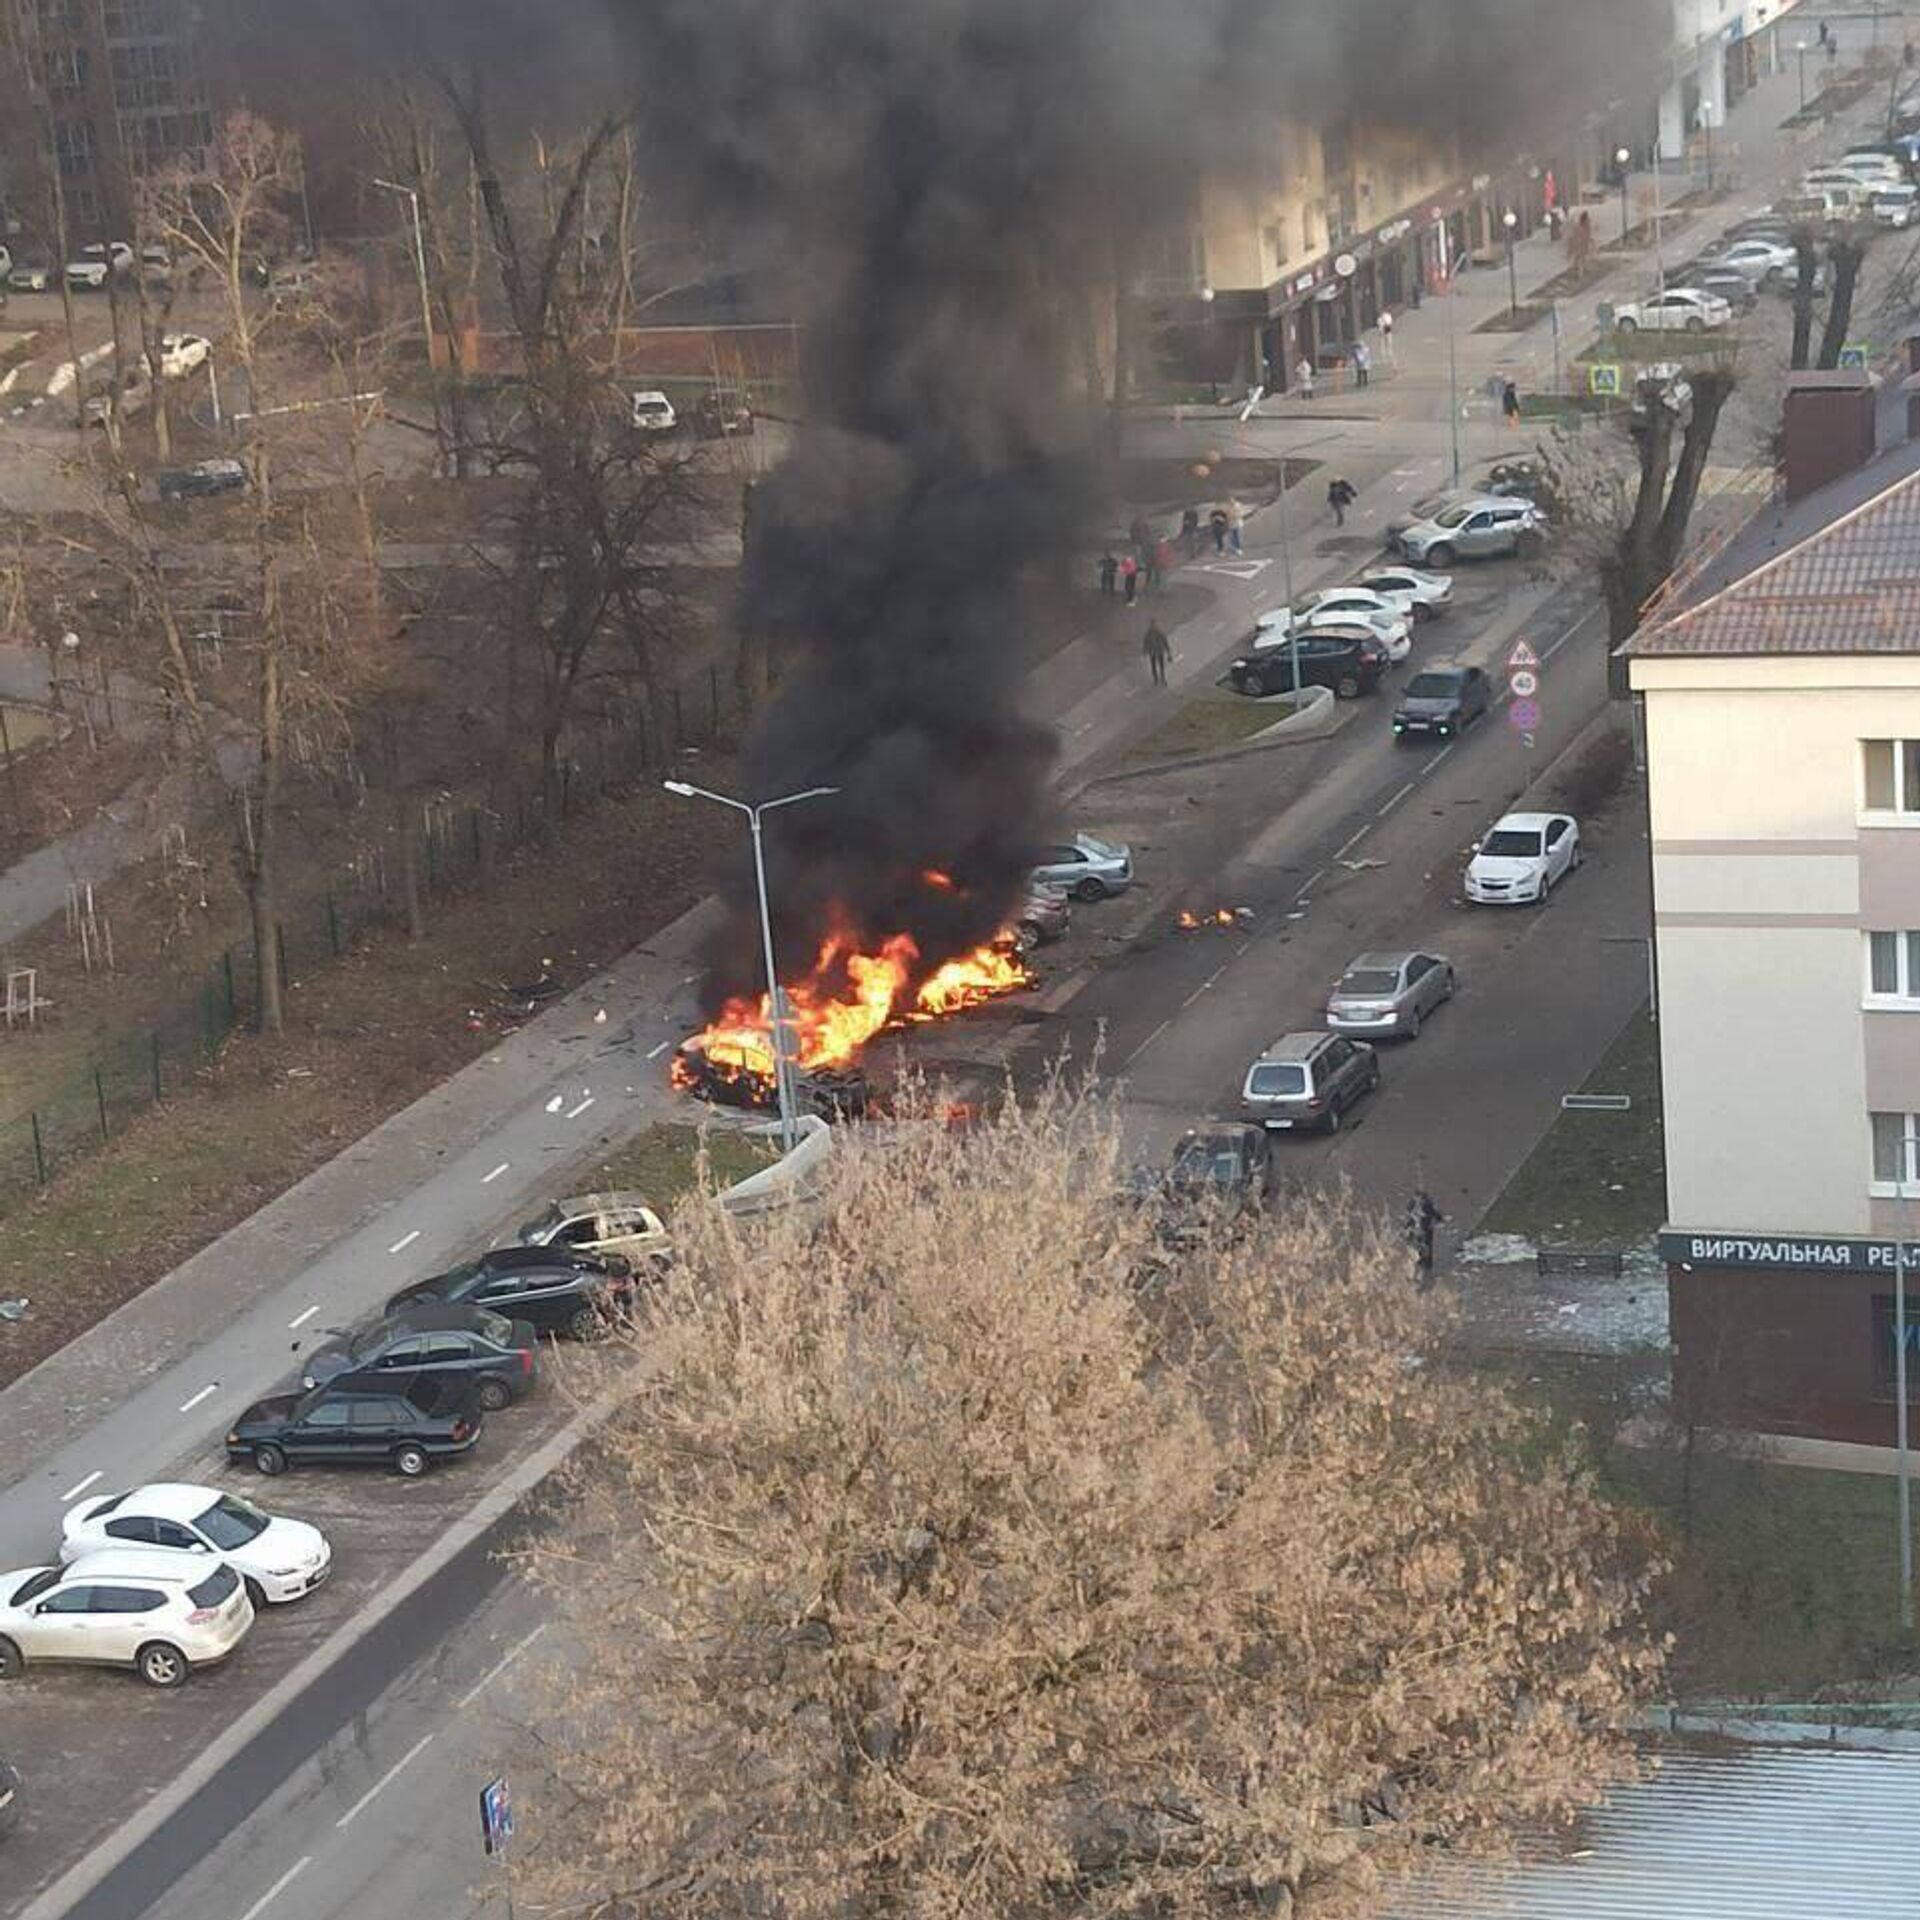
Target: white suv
x=156, y=1612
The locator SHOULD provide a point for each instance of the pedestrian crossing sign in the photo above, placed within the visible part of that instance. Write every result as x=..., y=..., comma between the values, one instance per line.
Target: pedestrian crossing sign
x=1604, y=378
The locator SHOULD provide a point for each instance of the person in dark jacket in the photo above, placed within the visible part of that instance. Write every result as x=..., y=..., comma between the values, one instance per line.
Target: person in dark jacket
x=1340, y=496
x=1109, y=572
x=1158, y=649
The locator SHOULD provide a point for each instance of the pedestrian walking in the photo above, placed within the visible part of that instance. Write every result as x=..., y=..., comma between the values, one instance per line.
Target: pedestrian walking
x=1303, y=376
x=1109, y=572
x=1150, y=568
x=1362, y=363
x=1340, y=496
x=1510, y=404
x=1217, y=524
x=1236, y=524
x=1422, y=1216
x=1190, y=532
x=1129, y=577
x=1157, y=649
x=1386, y=335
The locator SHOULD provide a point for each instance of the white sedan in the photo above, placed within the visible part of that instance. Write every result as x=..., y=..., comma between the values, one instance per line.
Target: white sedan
x=1414, y=591
x=180, y=353
x=279, y=1559
x=1757, y=260
x=1348, y=603
x=1391, y=629
x=1522, y=857
x=1678, y=309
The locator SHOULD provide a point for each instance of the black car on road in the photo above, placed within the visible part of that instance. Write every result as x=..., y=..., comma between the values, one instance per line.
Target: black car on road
x=556, y=1289
x=467, y=1345
x=204, y=477
x=1442, y=700
x=348, y=1426
x=1351, y=664
x=1224, y=1166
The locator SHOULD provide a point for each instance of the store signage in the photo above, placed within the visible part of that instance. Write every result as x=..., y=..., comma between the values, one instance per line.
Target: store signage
x=1785, y=1250
x=1303, y=283
x=1394, y=230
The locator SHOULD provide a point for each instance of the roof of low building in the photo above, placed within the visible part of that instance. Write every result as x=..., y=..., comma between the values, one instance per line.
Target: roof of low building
x=1837, y=572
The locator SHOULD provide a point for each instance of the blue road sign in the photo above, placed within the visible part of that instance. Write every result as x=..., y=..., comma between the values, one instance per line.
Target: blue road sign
x=496, y=1814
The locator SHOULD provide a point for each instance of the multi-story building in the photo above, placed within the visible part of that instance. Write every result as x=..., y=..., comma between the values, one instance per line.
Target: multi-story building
x=103, y=91
x=1782, y=730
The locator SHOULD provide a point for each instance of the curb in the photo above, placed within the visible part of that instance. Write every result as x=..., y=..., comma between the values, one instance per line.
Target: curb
x=86, y=1874
x=1319, y=720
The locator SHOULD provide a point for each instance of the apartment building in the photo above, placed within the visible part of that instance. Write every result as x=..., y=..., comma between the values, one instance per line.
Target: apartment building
x=104, y=91
x=1782, y=731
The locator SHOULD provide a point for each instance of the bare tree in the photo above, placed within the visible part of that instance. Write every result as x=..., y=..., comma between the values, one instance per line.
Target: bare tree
x=978, y=1547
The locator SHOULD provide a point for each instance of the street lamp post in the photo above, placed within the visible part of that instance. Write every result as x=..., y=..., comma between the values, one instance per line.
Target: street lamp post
x=1800, y=47
x=776, y=1000
x=1909, y=1141
x=1620, y=159
x=1511, y=220
x=1286, y=548
x=1453, y=364
x=1706, y=131
x=419, y=261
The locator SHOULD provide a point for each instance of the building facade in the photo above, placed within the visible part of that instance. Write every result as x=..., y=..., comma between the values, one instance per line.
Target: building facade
x=1782, y=730
x=104, y=91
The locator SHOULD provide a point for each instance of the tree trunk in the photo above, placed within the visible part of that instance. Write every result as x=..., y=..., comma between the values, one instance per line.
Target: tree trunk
x=1802, y=300
x=262, y=891
x=1844, y=256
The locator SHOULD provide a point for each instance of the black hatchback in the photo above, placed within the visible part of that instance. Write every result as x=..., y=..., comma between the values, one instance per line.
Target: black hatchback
x=357, y=1427
x=555, y=1289
x=1351, y=664
x=464, y=1344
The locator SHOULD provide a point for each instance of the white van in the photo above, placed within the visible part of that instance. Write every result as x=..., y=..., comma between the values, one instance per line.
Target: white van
x=653, y=413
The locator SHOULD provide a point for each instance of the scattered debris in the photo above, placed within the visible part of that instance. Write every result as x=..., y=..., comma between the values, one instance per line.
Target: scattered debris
x=1361, y=865
x=14, y=1309
x=600, y=1017
x=1220, y=917
x=554, y=1105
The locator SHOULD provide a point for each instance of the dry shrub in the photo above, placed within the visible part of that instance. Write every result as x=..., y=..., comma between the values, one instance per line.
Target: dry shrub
x=963, y=1551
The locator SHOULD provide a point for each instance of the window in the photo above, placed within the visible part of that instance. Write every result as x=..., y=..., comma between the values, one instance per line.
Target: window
x=374, y=1415
x=138, y=1530
x=68, y=1600
x=216, y=1587
x=126, y=1600
x=1896, y=1154
x=1891, y=770
x=329, y=1413
x=1893, y=969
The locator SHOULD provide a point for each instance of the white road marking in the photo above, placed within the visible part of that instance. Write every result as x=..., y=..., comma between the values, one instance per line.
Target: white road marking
x=487, y=1179
x=574, y=1112
x=1395, y=801
x=301, y=1319
x=1568, y=635
x=198, y=1397
x=1210, y=979
x=74, y=1492
x=279, y=1887
x=385, y=1781
x=1437, y=758
x=660, y=1049
x=1313, y=882
x=690, y=979
x=405, y=1241
x=558, y=1101
x=7, y=379
x=1354, y=841
x=1146, y=1043
x=494, y=1672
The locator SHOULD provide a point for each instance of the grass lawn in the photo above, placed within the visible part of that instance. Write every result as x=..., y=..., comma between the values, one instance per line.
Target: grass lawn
x=1205, y=726
x=26, y=727
x=1596, y=1179
x=663, y=1162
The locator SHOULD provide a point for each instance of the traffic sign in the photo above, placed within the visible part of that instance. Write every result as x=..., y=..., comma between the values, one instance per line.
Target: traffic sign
x=1524, y=682
x=1853, y=356
x=496, y=1814
x=1603, y=379
x=1524, y=715
x=1522, y=656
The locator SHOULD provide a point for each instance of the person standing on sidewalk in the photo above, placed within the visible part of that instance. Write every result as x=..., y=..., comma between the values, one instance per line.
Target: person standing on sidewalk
x=1510, y=404
x=1129, y=577
x=1236, y=523
x=1340, y=496
x=1109, y=572
x=1217, y=524
x=1190, y=532
x=1303, y=377
x=1386, y=335
x=1362, y=363
x=1423, y=1215
x=1157, y=648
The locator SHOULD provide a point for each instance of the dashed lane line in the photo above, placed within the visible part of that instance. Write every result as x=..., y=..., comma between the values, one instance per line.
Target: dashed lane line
x=189, y=1406
x=1146, y=1043
x=385, y=1781
x=574, y=1112
x=1395, y=801
x=487, y=1179
x=500, y=1666
x=279, y=1887
x=79, y=1487
x=301, y=1319
x=1300, y=898
x=660, y=1049
x=405, y=1241
x=1353, y=840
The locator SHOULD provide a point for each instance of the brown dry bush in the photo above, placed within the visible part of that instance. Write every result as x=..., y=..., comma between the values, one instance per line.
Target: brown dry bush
x=963, y=1551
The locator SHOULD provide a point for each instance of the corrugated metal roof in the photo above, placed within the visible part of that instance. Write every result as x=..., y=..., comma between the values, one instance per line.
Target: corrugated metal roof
x=1851, y=586
x=1754, y=1834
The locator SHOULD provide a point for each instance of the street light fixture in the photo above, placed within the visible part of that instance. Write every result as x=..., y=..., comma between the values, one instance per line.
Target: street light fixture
x=1510, y=220
x=776, y=1000
x=1620, y=159
x=419, y=261
x=1800, y=47
x=1453, y=365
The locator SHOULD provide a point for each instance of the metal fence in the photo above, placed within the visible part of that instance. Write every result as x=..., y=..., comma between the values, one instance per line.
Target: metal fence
x=456, y=849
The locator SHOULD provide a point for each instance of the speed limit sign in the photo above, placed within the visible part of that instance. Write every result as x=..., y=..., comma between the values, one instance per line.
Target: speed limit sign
x=1524, y=682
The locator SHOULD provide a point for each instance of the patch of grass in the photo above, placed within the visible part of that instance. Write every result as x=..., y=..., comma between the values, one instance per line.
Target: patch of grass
x=1597, y=1179
x=26, y=726
x=1204, y=726
x=663, y=1162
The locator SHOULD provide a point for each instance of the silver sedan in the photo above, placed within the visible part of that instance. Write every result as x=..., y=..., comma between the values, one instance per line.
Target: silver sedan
x=1390, y=993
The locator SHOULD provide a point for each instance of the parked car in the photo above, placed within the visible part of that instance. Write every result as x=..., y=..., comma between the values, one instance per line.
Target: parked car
x=1871, y=169
x=597, y=1223
x=156, y=265
x=1728, y=284
x=87, y=276
x=1350, y=663
x=1522, y=858
x=718, y=416
x=1477, y=528
x=279, y=1559
x=1309, y=1080
x=337, y=1425
x=204, y=477
x=1390, y=993
x=558, y=1289
x=1225, y=1166
x=181, y=353
x=294, y=282
x=1042, y=917
x=1442, y=700
x=468, y=1345
x=161, y=1614
x=29, y=276
x=1755, y=257
x=1418, y=594
x=115, y=255
x=1841, y=195
x=1676, y=309
x=1086, y=868
x=652, y=412
x=1386, y=623
x=1894, y=206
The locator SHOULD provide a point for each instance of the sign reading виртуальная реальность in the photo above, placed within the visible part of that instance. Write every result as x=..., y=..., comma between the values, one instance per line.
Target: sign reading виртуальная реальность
x=1785, y=1250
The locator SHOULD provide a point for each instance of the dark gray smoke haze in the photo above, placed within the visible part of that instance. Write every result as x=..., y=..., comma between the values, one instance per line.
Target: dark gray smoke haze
x=947, y=174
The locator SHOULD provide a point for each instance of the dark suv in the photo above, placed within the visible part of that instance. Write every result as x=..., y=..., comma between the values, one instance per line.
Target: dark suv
x=467, y=1345
x=1351, y=664
x=557, y=1289
x=357, y=1426
x=1442, y=700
